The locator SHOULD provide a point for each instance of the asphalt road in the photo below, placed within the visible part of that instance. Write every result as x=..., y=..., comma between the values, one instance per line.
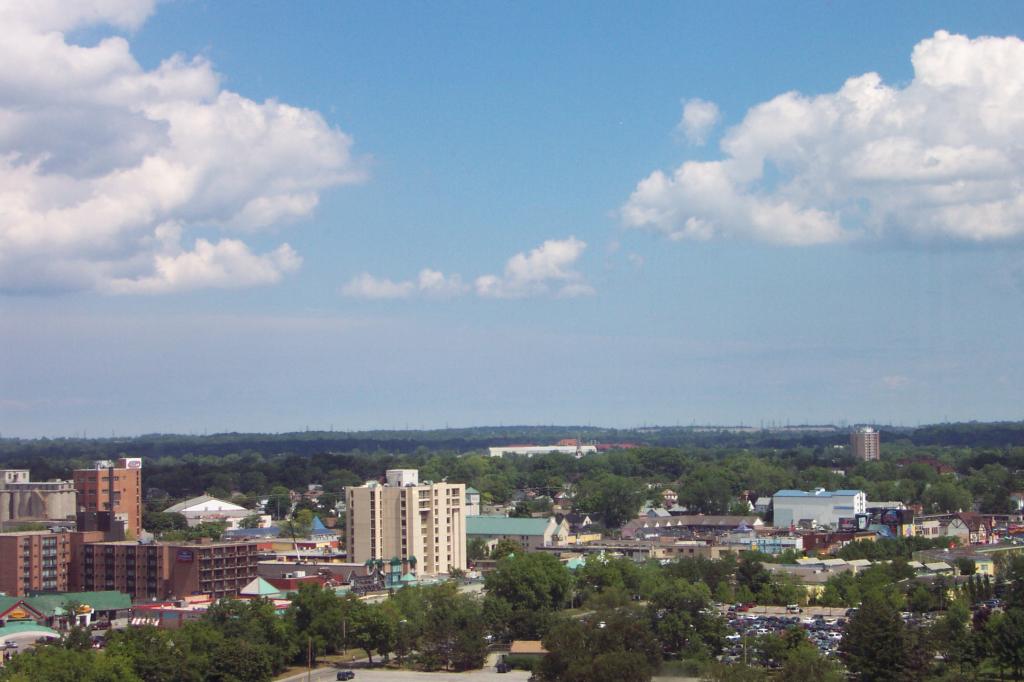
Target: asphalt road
x=825, y=611
x=485, y=675
x=24, y=640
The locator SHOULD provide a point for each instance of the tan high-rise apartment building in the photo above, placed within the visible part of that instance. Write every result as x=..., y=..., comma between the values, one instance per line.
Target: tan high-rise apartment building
x=421, y=524
x=113, y=488
x=864, y=444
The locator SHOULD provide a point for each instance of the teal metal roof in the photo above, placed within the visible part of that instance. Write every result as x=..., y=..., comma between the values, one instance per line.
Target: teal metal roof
x=260, y=587
x=53, y=603
x=17, y=628
x=504, y=525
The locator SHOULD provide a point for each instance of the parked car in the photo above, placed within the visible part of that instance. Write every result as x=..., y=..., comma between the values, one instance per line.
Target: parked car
x=10, y=644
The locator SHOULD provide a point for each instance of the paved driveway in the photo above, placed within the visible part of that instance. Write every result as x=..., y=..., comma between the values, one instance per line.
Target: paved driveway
x=485, y=675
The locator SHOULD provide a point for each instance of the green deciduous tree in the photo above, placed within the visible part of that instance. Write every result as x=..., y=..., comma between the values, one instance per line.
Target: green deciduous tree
x=803, y=663
x=533, y=585
x=615, y=499
x=873, y=640
x=752, y=575
x=1006, y=632
x=279, y=502
x=614, y=646
x=316, y=615
x=67, y=665
x=946, y=496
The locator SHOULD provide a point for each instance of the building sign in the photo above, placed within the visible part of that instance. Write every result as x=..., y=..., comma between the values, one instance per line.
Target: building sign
x=18, y=614
x=847, y=524
x=133, y=463
x=185, y=556
x=893, y=518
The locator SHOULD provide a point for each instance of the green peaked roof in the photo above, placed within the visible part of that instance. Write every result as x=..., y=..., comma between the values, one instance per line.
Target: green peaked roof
x=259, y=587
x=53, y=604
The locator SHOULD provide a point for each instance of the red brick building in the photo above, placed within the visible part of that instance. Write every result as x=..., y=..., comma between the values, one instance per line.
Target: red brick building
x=139, y=570
x=164, y=571
x=34, y=561
x=116, y=488
x=217, y=569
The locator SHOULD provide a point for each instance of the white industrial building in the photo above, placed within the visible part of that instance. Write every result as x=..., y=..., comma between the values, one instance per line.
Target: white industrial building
x=531, y=450
x=816, y=508
x=204, y=509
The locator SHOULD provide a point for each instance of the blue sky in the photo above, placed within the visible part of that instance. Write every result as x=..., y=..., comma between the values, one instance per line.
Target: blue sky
x=391, y=215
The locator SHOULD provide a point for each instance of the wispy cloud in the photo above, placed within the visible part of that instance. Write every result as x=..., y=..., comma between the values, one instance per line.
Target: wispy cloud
x=431, y=283
x=699, y=117
x=895, y=382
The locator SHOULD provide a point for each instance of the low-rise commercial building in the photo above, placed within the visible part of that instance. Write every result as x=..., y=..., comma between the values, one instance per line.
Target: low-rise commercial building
x=205, y=508
x=688, y=525
x=817, y=508
x=51, y=609
x=531, y=450
x=529, y=532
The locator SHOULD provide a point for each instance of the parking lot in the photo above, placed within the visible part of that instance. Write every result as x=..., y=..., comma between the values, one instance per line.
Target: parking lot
x=378, y=675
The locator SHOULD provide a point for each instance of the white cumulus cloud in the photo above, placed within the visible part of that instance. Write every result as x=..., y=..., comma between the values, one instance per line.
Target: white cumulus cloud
x=98, y=156
x=545, y=269
x=434, y=283
x=941, y=157
x=699, y=117
x=227, y=263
